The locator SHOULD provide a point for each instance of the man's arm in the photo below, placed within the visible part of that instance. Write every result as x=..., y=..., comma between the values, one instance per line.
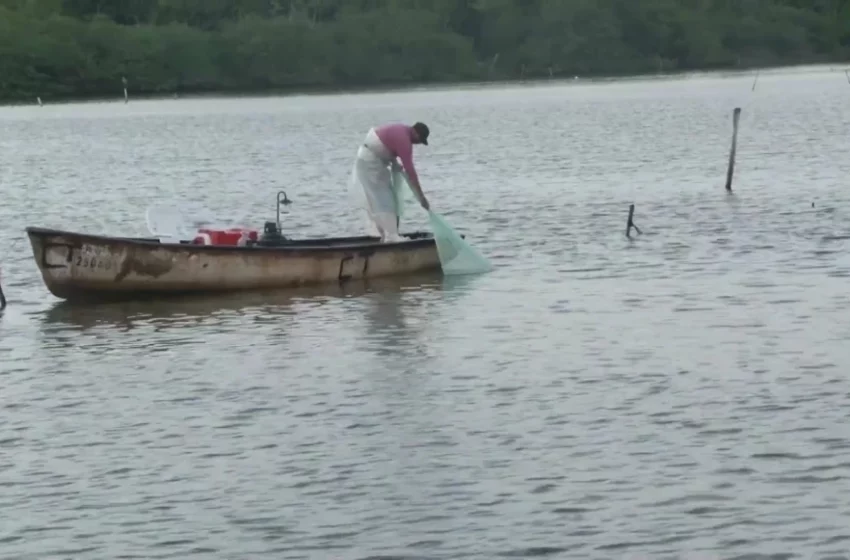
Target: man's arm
x=406, y=157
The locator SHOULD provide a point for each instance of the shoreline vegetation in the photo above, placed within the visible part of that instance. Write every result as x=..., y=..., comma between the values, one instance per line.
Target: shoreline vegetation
x=118, y=97
x=82, y=50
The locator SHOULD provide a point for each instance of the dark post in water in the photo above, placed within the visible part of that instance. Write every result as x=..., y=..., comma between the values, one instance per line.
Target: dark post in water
x=736, y=114
x=2, y=299
x=630, y=223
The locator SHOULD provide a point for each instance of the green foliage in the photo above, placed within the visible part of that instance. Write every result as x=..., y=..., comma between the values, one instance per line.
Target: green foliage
x=81, y=48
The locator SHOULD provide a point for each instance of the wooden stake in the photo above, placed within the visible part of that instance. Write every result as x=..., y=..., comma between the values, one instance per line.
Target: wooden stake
x=2, y=299
x=630, y=223
x=756, y=80
x=736, y=115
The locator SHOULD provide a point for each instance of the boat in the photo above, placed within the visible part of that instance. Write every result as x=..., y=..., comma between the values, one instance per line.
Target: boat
x=79, y=266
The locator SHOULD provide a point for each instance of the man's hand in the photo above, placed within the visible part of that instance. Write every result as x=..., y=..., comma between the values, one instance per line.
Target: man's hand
x=420, y=195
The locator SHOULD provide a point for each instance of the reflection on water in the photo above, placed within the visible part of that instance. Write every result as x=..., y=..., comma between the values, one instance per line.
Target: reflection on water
x=680, y=395
x=171, y=312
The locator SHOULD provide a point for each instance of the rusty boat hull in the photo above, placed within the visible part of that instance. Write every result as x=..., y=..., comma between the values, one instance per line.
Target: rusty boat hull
x=79, y=266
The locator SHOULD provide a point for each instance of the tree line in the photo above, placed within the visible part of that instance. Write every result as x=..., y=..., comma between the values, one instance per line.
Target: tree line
x=83, y=48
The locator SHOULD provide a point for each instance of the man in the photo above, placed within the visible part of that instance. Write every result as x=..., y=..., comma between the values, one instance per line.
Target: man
x=372, y=172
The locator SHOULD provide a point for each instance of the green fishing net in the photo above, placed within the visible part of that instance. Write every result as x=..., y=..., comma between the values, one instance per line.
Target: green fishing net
x=400, y=188
x=456, y=255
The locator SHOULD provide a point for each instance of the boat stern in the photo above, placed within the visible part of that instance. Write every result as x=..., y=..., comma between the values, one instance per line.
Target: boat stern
x=53, y=255
x=76, y=266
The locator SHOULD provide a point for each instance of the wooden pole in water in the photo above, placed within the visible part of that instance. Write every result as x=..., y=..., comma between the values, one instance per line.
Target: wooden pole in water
x=756, y=80
x=2, y=299
x=630, y=222
x=124, y=83
x=736, y=115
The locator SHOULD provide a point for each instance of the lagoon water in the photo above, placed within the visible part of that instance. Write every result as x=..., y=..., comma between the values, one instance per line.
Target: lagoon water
x=684, y=394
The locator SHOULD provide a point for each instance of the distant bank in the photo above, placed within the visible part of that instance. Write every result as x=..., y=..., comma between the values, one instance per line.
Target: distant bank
x=235, y=93
x=62, y=50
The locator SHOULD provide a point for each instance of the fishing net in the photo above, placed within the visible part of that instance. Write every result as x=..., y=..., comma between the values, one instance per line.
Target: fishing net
x=399, y=185
x=456, y=255
x=171, y=222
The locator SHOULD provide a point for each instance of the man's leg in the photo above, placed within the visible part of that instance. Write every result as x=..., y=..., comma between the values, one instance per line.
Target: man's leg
x=387, y=221
x=391, y=219
x=365, y=177
x=375, y=177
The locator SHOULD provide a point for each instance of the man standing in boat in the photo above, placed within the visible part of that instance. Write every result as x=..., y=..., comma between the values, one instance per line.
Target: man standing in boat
x=373, y=172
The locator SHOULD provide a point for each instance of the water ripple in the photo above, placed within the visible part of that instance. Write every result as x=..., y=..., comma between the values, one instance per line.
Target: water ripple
x=679, y=394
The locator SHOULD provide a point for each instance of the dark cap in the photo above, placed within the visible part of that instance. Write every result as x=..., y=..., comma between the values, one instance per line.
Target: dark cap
x=422, y=130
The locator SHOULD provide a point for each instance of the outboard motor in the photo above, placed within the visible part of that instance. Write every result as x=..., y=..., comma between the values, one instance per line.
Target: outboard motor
x=271, y=236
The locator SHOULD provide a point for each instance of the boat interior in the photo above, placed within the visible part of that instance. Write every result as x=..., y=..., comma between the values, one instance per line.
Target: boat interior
x=317, y=242
x=266, y=243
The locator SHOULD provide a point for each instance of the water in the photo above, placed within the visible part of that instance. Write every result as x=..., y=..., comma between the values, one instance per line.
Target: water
x=680, y=395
